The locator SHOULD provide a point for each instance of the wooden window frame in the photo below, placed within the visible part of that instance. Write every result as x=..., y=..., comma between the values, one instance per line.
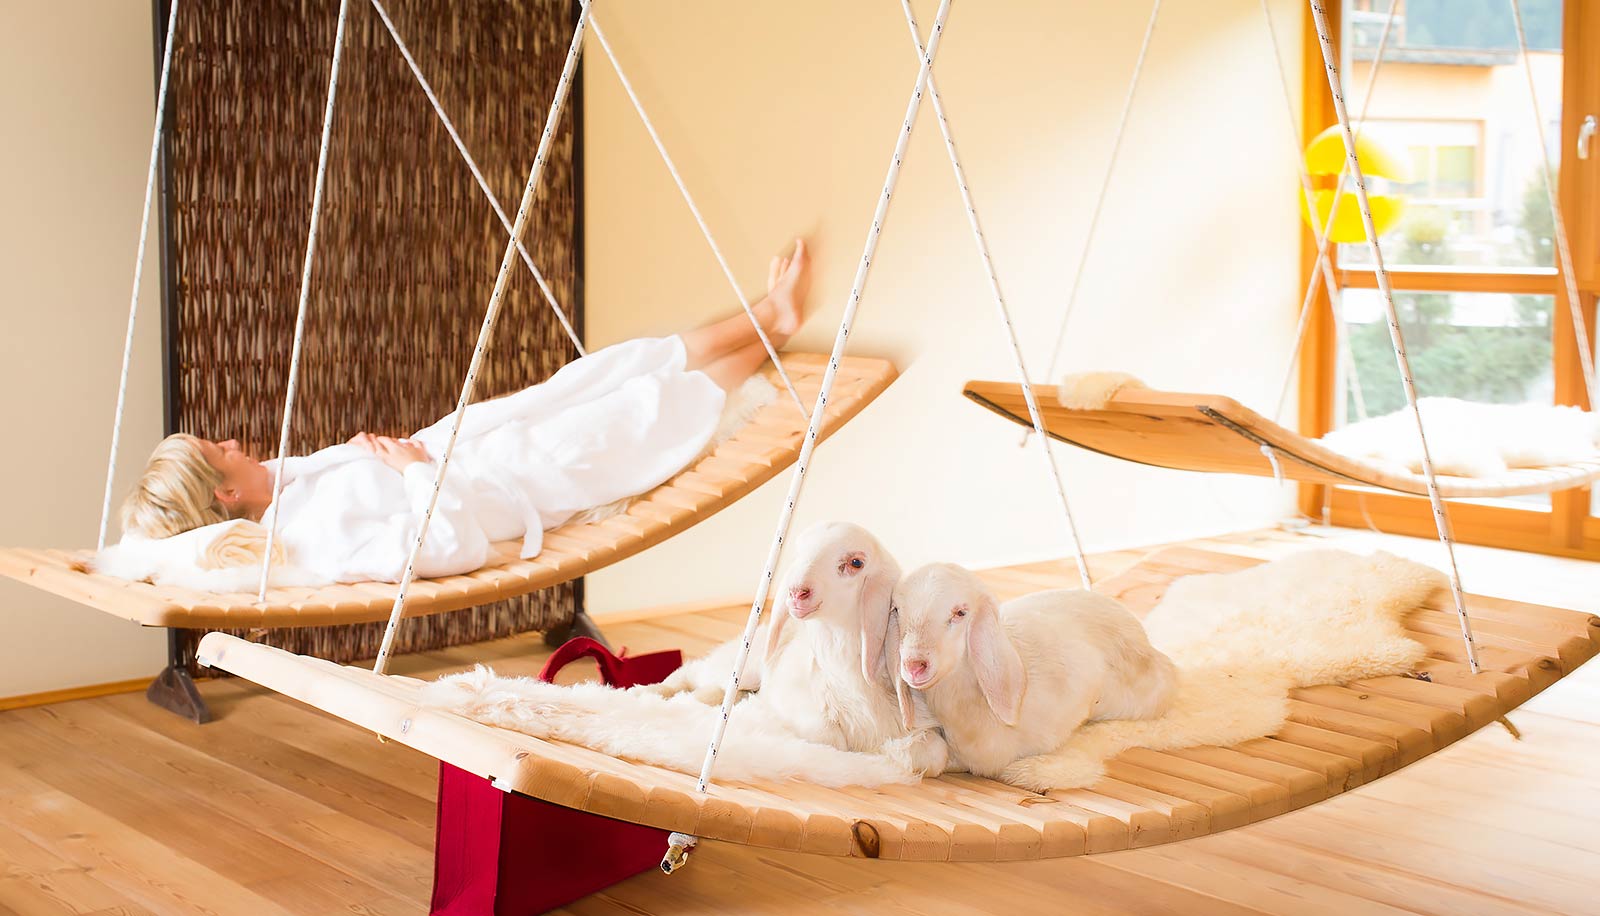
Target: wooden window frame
x=1568, y=528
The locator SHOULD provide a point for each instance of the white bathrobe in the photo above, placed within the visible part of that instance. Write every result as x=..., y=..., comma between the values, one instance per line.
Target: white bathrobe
x=613, y=424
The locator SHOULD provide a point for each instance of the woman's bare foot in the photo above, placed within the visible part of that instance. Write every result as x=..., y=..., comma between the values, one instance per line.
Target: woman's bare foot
x=780, y=313
x=788, y=282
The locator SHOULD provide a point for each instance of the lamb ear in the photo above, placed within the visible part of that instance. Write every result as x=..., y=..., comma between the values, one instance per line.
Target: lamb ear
x=775, y=622
x=877, y=597
x=902, y=690
x=995, y=662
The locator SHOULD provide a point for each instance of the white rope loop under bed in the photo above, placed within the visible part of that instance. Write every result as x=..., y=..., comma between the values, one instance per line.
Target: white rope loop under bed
x=477, y=174
x=305, y=291
x=1105, y=184
x=486, y=332
x=1580, y=331
x=1396, y=336
x=694, y=210
x=798, y=477
x=138, y=271
x=1001, y=308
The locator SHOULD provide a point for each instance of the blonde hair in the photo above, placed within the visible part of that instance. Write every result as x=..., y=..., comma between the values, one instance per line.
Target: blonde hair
x=243, y=544
x=176, y=492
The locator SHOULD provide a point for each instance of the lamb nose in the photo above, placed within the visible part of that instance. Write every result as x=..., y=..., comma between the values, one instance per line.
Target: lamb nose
x=916, y=667
x=800, y=594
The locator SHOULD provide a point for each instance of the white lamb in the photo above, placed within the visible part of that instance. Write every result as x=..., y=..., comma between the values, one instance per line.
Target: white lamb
x=831, y=682
x=1013, y=680
x=826, y=688
x=836, y=687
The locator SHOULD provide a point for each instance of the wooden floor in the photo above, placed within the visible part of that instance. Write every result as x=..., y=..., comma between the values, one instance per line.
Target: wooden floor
x=110, y=805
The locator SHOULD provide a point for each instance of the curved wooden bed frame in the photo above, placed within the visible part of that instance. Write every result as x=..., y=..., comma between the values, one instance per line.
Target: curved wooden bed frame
x=1336, y=738
x=764, y=446
x=1207, y=432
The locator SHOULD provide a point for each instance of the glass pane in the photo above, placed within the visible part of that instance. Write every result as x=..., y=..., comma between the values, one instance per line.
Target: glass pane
x=1492, y=347
x=1451, y=101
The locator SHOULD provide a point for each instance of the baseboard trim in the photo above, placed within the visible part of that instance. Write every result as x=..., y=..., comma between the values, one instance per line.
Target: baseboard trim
x=88, y=691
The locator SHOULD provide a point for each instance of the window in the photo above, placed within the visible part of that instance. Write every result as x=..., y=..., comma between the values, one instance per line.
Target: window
x=1472, y=255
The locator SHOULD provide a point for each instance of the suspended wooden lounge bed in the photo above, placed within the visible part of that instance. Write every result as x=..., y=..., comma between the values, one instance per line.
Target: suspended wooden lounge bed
x=1336, y=738
x=767, y=444
x=1207, y=432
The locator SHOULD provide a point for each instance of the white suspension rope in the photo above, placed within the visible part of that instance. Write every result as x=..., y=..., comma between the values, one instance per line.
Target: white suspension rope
x=797, y=478
x=1001, y=309
x=1322, y=268
x=138, y=271
x=1271, y=454
x=486, y=332
x=1105, y=184
x=694, y=210
x=1396, y=336
x=305, y=292
x=483, y=184
x=1580, y=331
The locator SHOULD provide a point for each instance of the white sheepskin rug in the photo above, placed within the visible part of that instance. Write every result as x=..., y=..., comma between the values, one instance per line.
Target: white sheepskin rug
x=1242, y=641
x=1469, y=439
x=648, y=728
x=1094, y=390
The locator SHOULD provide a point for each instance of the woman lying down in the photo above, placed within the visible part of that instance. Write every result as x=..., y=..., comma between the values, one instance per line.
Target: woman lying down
x=606, y=427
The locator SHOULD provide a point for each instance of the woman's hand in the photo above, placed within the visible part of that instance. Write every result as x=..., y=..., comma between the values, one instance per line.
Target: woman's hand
x=396, y=453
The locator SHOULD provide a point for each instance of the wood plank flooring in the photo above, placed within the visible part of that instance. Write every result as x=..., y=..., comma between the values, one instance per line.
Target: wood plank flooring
x=112, y=806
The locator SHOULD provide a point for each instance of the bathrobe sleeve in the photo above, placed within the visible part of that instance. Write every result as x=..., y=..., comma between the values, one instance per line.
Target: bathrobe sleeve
x=456, y=543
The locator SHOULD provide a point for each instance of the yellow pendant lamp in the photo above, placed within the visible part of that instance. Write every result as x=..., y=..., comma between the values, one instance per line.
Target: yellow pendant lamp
x=1384, y=170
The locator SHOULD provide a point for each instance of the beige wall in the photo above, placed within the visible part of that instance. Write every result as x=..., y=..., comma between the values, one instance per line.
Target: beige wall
x=782, y=118
x=77, y=113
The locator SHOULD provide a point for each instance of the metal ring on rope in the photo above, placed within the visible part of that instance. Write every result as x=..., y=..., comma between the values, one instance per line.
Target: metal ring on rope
x=1396, y=336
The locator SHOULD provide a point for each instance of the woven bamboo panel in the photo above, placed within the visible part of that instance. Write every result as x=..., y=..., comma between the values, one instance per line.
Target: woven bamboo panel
x=1202, y=432
x=758, y=451
x=407, y=247
x=1336, y=738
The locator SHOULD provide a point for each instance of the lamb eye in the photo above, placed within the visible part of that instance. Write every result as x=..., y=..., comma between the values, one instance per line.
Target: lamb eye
x=857, y=563
x=959, y=612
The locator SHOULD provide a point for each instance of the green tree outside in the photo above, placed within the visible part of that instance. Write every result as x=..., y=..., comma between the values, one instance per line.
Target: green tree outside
x=1496, y=364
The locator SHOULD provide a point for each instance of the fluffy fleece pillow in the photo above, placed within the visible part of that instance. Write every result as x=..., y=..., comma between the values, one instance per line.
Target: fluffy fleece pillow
x=225, y=557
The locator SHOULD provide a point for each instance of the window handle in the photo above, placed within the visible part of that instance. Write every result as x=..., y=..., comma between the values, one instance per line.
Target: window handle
x=1585, y=135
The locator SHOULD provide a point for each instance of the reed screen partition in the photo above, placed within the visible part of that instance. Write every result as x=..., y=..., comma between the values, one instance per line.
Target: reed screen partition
x=407, y=247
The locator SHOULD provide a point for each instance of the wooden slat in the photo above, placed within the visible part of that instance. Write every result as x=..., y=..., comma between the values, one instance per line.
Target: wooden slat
x=1198, y=432
x=736, y=467
x=1336, y=738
